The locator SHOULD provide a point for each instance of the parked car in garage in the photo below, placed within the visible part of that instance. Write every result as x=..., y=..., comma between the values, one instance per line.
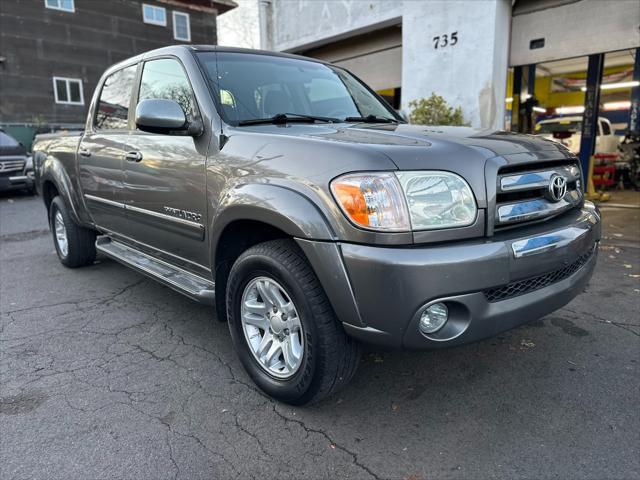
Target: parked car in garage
x=568, y=131
x=16, y=166
x=287, y=193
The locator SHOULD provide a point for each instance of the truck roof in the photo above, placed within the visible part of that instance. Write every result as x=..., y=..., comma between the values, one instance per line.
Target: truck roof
x=218, y=48
x=205, y=48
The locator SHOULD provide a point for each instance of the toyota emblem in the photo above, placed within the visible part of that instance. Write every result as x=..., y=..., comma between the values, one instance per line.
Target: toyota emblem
x=557, y=187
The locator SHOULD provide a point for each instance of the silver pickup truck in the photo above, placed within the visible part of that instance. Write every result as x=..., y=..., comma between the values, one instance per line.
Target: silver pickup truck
x=286, y=193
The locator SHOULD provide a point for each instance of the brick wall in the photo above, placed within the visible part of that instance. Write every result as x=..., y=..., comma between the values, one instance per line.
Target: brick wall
x=38, y=43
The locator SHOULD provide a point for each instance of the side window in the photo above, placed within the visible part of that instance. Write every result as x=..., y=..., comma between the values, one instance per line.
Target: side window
x=166, y=79
x=606, y=129
x=181, y=26
x=113, y=105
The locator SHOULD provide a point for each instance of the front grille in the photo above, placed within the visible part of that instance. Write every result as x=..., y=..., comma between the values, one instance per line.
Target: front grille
x=11, y=165
x=524, y=194
x=528, y=285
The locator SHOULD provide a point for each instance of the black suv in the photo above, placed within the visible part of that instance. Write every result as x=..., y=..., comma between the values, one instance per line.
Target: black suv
x=16, y=167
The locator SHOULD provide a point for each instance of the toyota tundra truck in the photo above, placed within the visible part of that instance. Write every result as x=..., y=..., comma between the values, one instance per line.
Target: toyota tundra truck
x=286, y=193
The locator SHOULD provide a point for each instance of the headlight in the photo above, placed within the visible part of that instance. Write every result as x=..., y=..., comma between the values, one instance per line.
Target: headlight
x=403, y=201
x=372, y=200
x=438, y=200
x=29, y=163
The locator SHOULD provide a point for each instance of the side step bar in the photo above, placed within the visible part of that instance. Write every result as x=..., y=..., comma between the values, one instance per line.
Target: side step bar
x=187, y=283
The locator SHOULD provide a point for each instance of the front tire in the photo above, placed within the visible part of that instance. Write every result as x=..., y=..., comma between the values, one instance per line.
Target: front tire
x=75, y=245
x=283, y=327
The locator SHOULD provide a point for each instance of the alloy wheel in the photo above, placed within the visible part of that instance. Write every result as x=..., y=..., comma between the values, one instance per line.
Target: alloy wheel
x=61, y=234
x=272, y=327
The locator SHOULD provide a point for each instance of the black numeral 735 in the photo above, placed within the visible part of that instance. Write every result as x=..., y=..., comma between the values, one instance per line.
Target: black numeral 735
x=445, y=40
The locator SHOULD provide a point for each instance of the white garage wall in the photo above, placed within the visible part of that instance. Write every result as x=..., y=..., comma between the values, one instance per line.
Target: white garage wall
x=303, y=24
x=473, y=72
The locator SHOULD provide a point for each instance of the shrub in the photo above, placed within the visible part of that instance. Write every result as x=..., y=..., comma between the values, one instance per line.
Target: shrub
x=435, y=111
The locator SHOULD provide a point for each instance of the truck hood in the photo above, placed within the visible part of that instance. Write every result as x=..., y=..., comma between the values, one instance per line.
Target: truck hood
x=366, y=147
x=12, y=151
x=490, y=142
x=413, y=146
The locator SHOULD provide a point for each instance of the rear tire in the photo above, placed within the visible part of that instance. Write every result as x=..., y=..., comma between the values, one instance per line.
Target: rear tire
x=329, y=357
x=75, y=245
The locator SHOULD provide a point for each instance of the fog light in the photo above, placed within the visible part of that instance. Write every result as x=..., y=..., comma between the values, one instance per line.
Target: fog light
x=433, y=318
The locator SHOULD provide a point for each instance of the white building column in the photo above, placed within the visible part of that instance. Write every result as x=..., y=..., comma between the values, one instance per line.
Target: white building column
x=467, y=64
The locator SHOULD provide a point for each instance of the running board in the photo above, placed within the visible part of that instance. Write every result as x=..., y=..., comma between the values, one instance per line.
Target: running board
x=187, y=283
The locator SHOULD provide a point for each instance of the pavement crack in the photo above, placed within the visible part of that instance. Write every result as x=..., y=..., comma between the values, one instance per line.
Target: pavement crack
x=337, y=446
x=173, y=460
x=93, y=302
x=246, y=431
x=596, y=318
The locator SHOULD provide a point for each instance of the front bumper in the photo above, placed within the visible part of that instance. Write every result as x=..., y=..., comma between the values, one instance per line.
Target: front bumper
x=17, y=181
x=534, y=270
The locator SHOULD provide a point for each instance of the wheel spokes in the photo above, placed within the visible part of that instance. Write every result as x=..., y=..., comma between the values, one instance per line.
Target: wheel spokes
x=255, y=313
x=272, y=327
x=264, y=345
x=255, y=307
x=258, y=321
x=274, y=353
x=294, y=323
x=291, y=357
x=265, y=294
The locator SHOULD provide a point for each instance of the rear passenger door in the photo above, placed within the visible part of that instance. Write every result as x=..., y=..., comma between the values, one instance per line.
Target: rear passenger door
x=100, y=153
x=165, y=187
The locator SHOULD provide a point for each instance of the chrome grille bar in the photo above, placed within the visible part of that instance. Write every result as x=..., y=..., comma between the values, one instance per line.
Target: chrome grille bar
x=11, y=165
x=531, y=180
x=536, y=208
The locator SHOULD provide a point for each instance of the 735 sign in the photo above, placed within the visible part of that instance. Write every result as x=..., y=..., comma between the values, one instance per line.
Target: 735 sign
x=445, y=40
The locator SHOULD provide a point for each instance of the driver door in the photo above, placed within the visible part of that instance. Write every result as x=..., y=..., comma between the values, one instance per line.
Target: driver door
x=164, y=175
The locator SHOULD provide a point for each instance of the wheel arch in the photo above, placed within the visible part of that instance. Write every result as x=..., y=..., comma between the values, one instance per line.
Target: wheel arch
x=253, y=214
x=56, y=181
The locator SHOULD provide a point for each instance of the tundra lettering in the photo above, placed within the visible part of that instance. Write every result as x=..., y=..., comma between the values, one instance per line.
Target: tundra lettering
x=286, y=193
x=176, y=212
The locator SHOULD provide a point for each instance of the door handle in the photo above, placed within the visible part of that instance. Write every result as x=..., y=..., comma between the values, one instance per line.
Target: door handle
x=133, y=156
x=85, y=152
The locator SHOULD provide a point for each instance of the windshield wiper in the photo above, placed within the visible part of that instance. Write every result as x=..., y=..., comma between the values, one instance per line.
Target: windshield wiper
x=288, y=117
x=371, y=119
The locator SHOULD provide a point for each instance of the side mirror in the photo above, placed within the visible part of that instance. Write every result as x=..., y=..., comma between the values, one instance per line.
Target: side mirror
x=161, y=116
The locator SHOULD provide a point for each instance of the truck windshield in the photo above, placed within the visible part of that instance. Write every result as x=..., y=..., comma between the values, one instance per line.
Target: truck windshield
x=253, y=87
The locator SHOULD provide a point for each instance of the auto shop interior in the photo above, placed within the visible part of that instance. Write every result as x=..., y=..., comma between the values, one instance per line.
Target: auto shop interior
x=581, y=92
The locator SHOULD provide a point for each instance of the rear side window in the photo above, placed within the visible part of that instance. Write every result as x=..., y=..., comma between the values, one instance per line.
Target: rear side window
x=606, y=129
x=113, y=106
x=166, y=79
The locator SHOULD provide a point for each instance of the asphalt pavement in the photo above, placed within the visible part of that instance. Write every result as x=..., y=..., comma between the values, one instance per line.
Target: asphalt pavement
x=107, y=374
